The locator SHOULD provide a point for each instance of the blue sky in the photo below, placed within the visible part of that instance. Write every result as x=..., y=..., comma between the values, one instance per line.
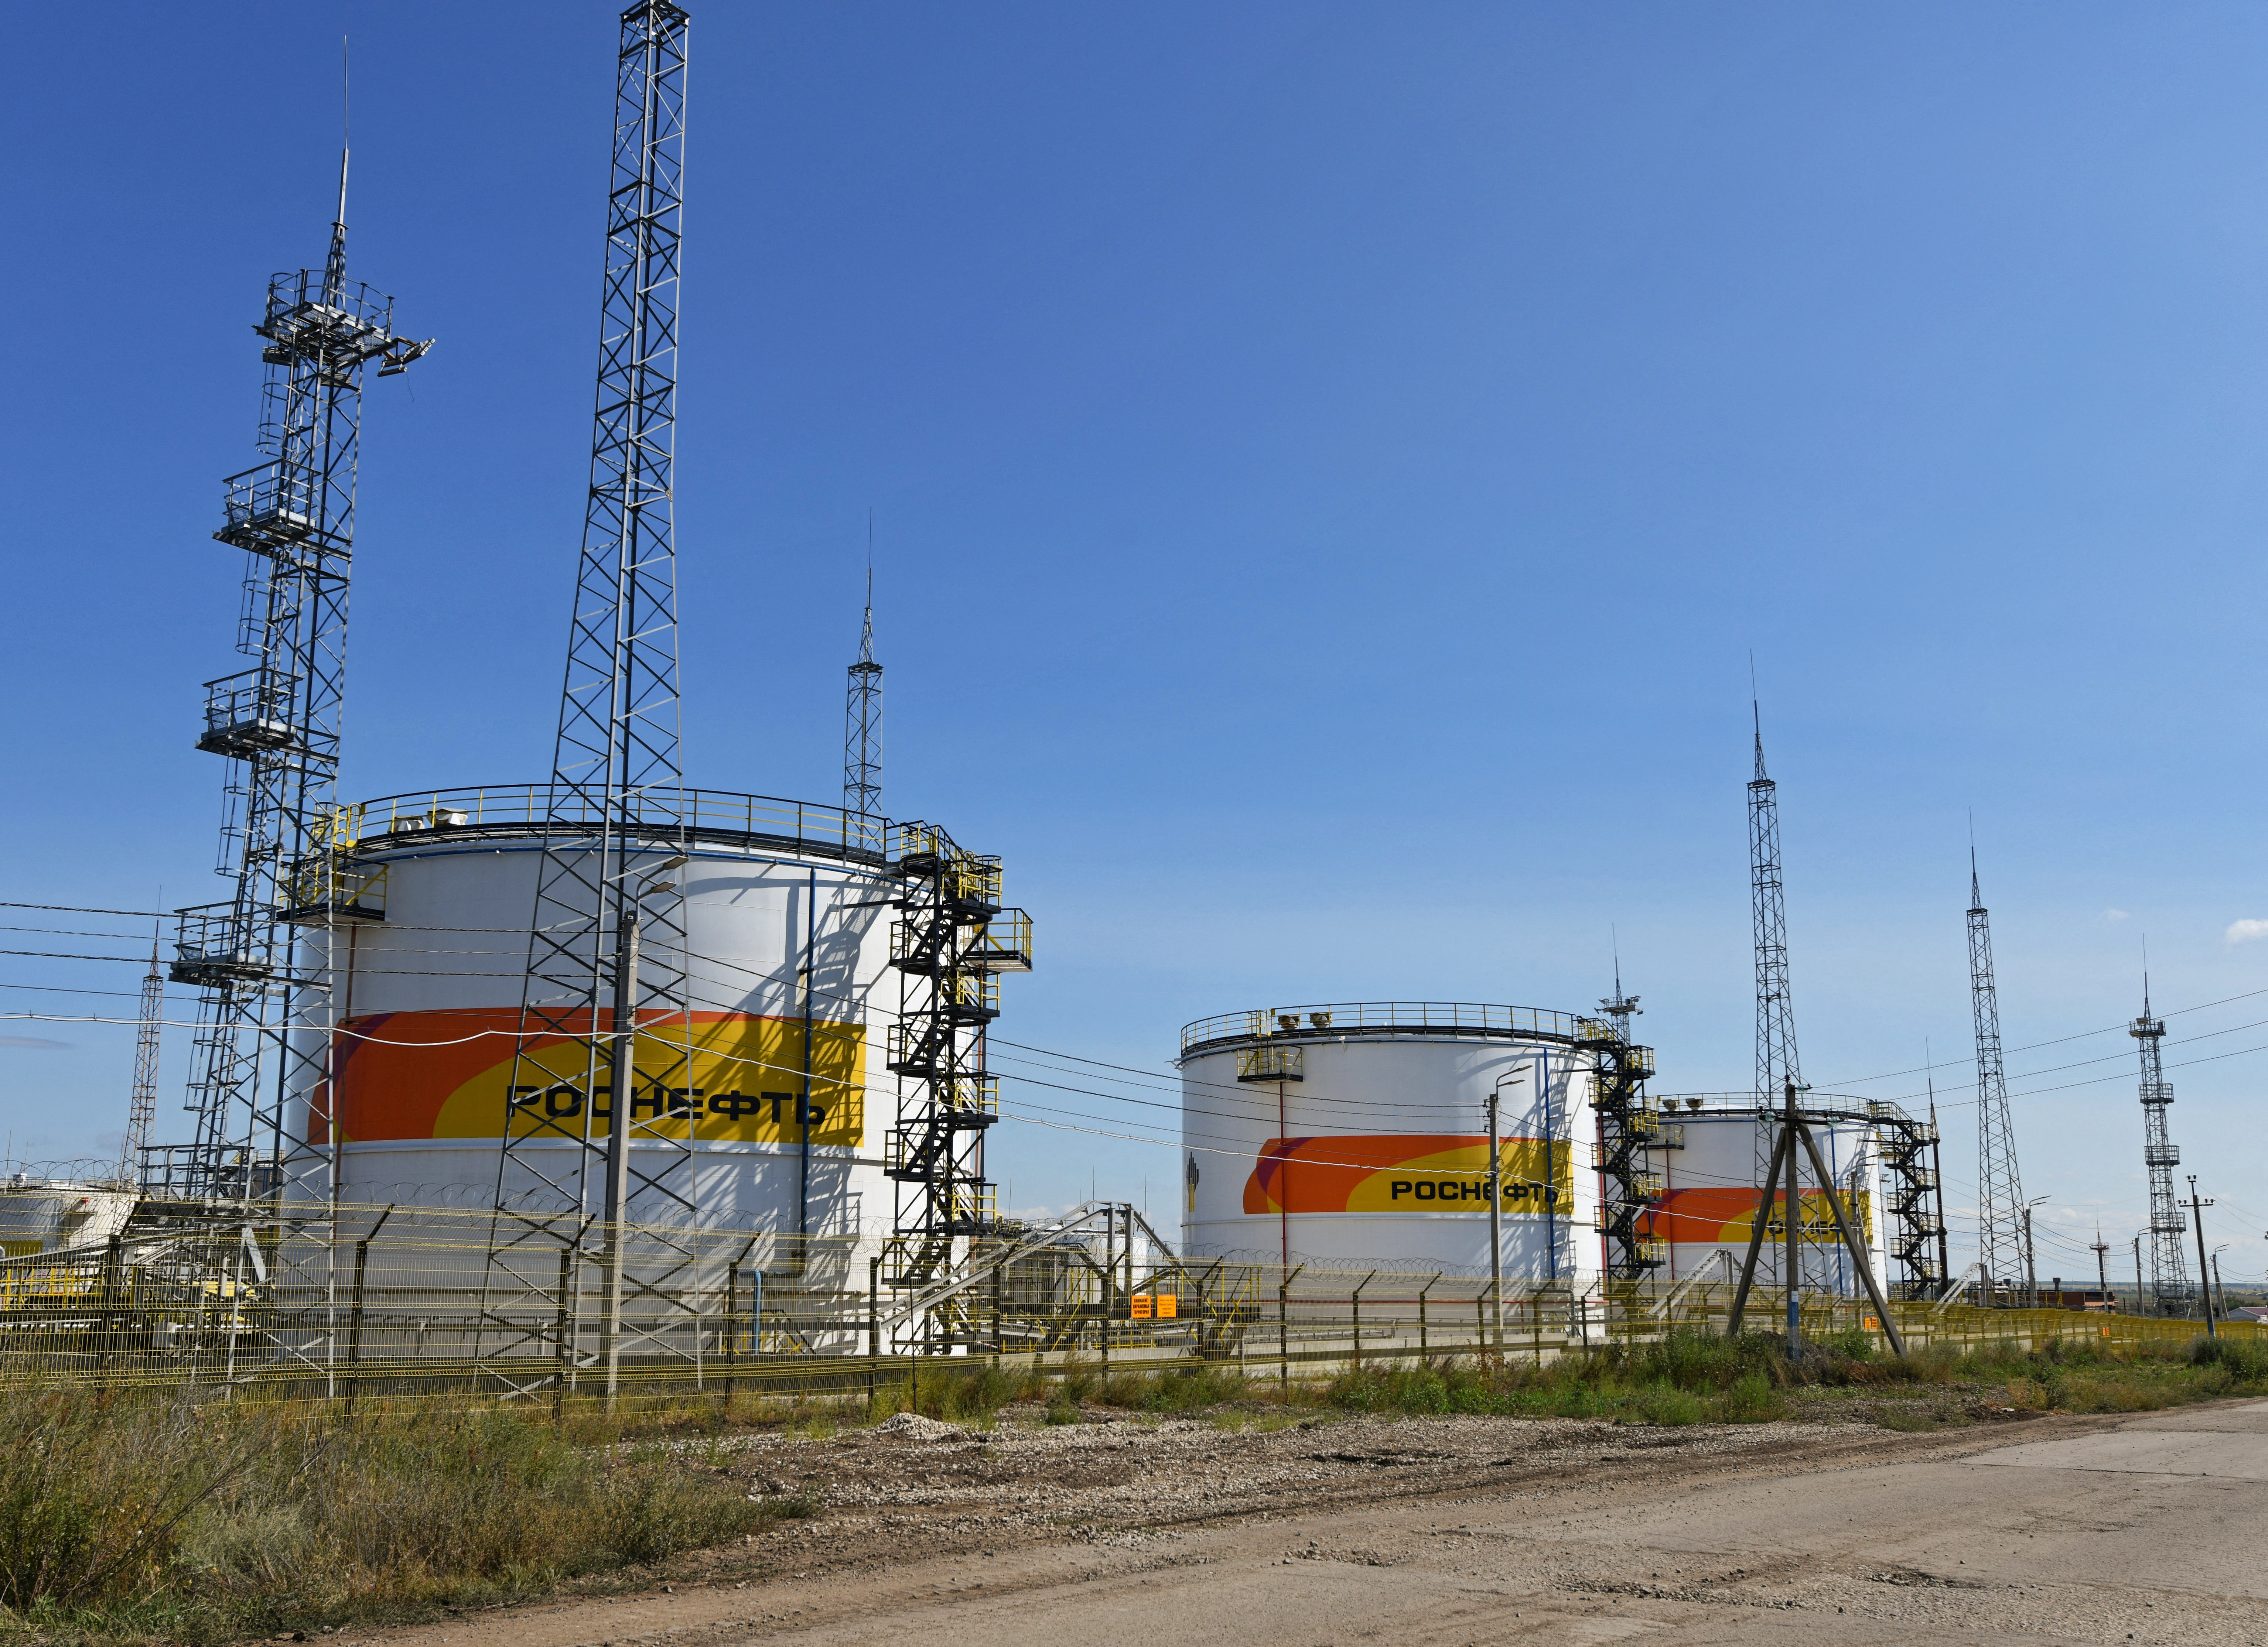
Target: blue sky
x=1332, y=466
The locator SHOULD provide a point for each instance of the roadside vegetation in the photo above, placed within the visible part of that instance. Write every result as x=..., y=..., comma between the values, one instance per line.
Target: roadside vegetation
x=129, y=1516
x=140, y=1516
x=1685, y=1378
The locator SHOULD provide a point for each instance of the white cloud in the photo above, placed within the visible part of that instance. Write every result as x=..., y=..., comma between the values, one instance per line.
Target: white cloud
x=2245, y=931
x=34, y=1042
x=2114, y=915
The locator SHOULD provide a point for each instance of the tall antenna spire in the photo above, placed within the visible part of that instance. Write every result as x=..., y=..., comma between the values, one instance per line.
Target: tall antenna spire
x=862, y=713
x=335, y=267
x=2000, y=1186
x=1776, y=1059
x=2170, y=1292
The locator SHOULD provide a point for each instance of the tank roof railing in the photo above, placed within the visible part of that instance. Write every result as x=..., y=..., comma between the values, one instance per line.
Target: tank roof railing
x=522, y=807
x=1830, y=1105
x=1340, y=1018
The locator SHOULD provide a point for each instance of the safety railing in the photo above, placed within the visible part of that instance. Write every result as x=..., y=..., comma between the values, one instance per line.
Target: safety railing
x=1462, y=1017
x=393, y=818
x=276, y=502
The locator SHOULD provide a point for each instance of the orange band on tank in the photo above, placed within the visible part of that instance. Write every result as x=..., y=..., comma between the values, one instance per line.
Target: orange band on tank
x=1725, y=1216
x=726, y=1076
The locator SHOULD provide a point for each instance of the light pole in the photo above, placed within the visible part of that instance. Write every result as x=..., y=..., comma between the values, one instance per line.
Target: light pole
x=624, y=1074
x=2031, y=1270
x=1496, y=1204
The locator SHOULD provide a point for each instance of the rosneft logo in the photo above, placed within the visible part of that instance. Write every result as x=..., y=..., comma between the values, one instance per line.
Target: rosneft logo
x=1407, y=1172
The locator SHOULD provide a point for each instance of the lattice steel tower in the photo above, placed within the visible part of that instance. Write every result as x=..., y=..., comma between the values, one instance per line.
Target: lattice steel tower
x=607, y=944
x=2000, y=1186
x=142, y=1102
x=862, y=716
x=2171, y=1291
x=260, y=958
x=1776, y=1059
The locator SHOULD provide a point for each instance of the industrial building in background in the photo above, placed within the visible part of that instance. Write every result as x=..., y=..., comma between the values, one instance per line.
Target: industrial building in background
x=2000, y=1211
x=2170, y=1292
x=265, y=1003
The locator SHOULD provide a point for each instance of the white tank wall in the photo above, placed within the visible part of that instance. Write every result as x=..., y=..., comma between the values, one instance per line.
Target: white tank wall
x=46, y=1215
x=1414, y=1100
x=1711, y=1193
x=446, y=965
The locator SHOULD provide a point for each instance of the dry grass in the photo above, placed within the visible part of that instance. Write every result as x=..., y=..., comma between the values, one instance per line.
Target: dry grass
x=138, y=1516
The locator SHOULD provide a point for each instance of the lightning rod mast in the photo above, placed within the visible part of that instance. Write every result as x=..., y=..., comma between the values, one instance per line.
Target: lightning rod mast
x=2000, y=1186
x=862, y=716
x=2170, y=1293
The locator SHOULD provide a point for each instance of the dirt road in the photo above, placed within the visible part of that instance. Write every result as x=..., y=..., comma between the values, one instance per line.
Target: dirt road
x=2141, y=1528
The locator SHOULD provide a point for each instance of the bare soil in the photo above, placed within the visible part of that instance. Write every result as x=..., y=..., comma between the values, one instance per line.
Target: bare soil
x=1457, y=1529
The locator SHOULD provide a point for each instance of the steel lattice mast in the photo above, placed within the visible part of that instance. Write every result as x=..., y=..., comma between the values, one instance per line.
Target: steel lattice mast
x=261, y=958
x=2000, y=1186
x=2170, y=1292
x=605, y=951
x=1776, y=1058
x=142, y=1103
x=862, y=718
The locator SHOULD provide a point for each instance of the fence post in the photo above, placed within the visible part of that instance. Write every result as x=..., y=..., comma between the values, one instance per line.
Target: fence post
x=353, y=1326
x=731, y=1335
x=873, y=1327
x=1356, y=1299
x=562, y=1355
x=1283, y=1333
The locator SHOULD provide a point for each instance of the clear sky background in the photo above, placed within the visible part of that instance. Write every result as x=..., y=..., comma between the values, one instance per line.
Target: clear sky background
x=1332, y=466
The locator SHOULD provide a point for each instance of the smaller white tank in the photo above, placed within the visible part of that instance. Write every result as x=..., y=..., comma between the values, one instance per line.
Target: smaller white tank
x=39, y=1214
x=1358, y=1133
x=1710, y=1194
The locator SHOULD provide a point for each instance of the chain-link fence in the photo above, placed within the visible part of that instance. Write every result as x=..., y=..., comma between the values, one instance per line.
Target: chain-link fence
x=356, y=1301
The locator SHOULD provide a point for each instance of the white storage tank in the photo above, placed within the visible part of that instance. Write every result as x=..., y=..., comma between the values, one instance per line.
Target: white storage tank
x=429, y=963
x=1711, y=1190
x=1357, y=1133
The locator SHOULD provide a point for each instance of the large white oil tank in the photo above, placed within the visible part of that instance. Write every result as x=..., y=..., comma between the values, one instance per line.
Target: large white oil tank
x=1711, y=1190
x=1357, y=1133
x=428, y=963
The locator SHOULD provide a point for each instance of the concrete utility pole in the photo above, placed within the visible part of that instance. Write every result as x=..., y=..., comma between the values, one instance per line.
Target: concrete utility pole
x=2031, y=1271
x=2102, y=1267
x=2196, y=1214
x=1792, y=1274
x=2138, y=1275
x=619, y=1106
x=1496, y=1206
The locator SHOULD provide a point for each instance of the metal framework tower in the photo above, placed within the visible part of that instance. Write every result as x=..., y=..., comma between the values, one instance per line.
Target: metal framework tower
x=142, y=1104
x=261, y=958
x=862, y=717
x=597, y=1120
x=2000, y=1186
x=1629, y=1132
x=1776, y=1057
x=950, y=947
x=2171, y=1291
